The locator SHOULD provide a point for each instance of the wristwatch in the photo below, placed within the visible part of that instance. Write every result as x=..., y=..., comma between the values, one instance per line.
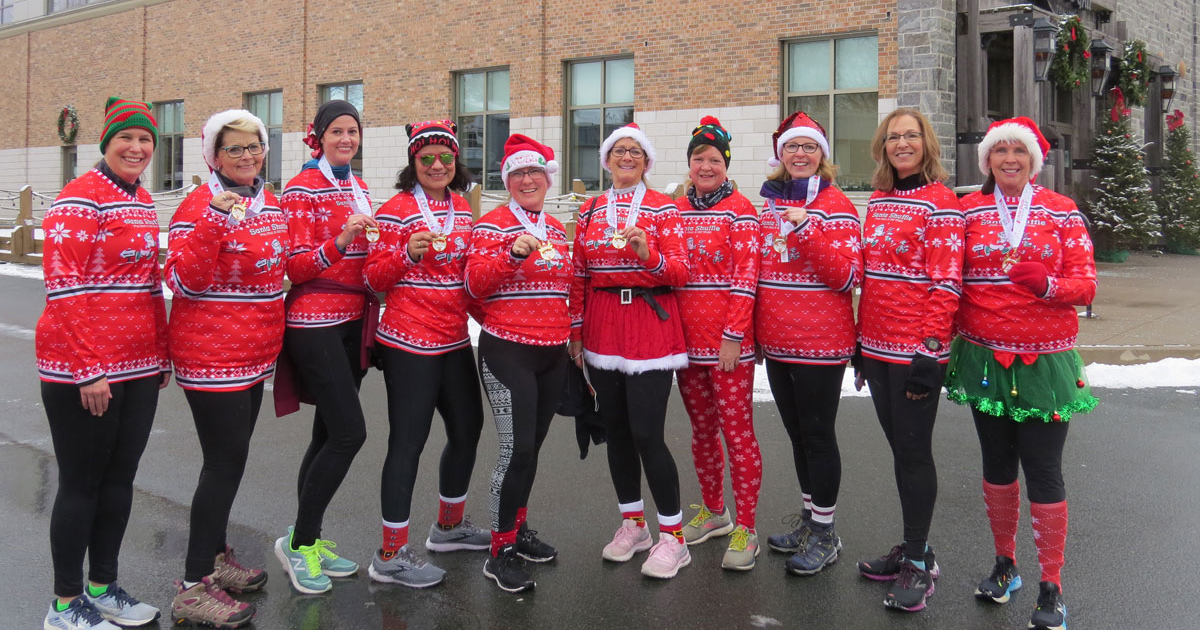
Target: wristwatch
x=932, y=344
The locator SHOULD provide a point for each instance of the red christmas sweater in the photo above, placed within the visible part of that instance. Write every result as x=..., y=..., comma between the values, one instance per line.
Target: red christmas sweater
x=717, y=303
x=227, y=316
x=316, y=212
x=104, y=315
x=426, y=301
x=805, y=310
x=912, y=255
x=1000, y=315
x=523, y=300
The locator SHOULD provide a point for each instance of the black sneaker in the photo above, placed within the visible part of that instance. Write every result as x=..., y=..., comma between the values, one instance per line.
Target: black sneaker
x=1051, y=612
x=913, y=586
x=887, y=567
x=1000, y=585
x=508, y=570
x=532, y=548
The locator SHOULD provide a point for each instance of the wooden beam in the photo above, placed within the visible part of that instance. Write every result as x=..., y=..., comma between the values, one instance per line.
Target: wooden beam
x=1026, y=99
x=971, y=88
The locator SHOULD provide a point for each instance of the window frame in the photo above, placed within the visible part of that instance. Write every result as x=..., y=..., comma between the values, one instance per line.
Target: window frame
x=603, y=106
x=10, y=6
x=50, y=10
x=275, y=179
x=456, y=114
x=162, y=160
x=356, y=163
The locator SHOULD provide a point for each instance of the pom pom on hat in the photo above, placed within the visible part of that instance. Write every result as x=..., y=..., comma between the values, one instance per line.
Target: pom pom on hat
x=628, y=131
x=1020, y=129
x=710, y=132
x=521, y=151
x=797, y=125
x=217, y=122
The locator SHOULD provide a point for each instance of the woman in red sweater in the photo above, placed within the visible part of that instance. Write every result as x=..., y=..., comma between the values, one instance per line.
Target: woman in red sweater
x=328, y=308
x=805, y=323
x=101, y=351
x=912, y=256
x=720, y=228
x=520, y=273
x=428, y=364
x=225, y=263
x=1028, y=264
x=628, y=254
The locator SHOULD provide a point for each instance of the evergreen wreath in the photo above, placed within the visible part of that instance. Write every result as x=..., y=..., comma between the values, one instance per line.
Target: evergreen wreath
x=68, y=124
x=1135, y=73
x=1071, y=67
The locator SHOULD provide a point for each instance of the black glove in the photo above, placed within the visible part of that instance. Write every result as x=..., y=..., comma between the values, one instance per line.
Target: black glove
x=924, y=375
x=856, y=359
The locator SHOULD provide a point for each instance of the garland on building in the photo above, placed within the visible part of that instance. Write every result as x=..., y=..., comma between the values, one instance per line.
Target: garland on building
x=1179, y=199
x=1135, y=73
x=68, y=124
x=1122, y=208
x=1071, y=67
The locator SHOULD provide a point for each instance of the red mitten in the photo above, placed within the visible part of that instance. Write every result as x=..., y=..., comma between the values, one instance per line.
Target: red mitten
x=1031, y=275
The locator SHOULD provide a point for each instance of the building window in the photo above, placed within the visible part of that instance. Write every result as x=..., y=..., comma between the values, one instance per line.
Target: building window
x=481, y=112
x=70, y=158
x=6, y=11
x=54, y=6
x=600, y=99
x=836, y=82
x=269, y=107
x=168, y=157
x=352, y=92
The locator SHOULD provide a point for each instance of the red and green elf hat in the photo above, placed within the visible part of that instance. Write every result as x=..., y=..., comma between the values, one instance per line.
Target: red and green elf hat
x=121, y=114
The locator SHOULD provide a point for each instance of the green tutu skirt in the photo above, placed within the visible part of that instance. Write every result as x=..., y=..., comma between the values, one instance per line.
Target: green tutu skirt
x=1051, y=389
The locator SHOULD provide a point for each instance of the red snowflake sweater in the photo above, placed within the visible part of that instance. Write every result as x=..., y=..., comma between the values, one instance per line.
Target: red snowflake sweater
x=805, y=310
x=227, y=316
x=717, y=303
x=912, y=255
x=426, y=302
x=523, y=300
x=1000, y=315
x=316, y=212
x=104, y=315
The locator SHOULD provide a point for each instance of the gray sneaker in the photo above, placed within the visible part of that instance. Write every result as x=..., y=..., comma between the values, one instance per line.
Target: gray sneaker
x=462, y=537
x=121, y=608
x=706, y=525
x=404, y=568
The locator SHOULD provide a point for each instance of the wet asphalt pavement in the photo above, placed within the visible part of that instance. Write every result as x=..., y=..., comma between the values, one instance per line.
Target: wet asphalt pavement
x=1131, y=468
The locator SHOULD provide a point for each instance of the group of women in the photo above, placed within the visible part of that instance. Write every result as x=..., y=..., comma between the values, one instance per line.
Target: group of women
x=975, y=295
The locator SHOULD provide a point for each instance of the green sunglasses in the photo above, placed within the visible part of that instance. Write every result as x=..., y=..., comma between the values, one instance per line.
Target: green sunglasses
x=446, y=158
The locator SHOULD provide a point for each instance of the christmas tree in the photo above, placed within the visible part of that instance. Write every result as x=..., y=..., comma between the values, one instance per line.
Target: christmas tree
x=1122, y=209
x=1179, y=199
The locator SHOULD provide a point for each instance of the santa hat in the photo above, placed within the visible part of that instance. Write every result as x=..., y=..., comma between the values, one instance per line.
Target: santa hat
x=423, y=134
x=521, y=151
x=798, y=125
x=217, y=122
x=711, y=133
x=1019, y=129
x=628, y=131
x=122, y=113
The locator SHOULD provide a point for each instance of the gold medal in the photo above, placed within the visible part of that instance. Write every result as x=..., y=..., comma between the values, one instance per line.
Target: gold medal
x=439, y=242
x=238, y=211
x=780, y=244
x=618, y=241
x=372, y=233
x=1011, y=257
x=547, y=251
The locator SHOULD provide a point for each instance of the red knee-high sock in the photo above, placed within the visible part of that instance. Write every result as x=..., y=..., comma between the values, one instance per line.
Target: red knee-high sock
x=501, y=540
x=450, y=513
x=522, y=514
x=1050, y=535
x=1004, y=513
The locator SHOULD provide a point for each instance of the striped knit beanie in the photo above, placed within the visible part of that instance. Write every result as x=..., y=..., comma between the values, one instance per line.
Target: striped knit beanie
x=121, y=114
x=423, y=134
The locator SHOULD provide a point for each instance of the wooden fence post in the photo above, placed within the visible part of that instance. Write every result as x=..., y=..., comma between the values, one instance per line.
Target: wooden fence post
x=474, y=197
x=22, y=238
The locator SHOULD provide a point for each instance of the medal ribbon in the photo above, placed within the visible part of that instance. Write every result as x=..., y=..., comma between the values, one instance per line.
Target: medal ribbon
x=538, y=231
x=427, y=214
x=361, y=204
x=1014, y=226
x=635, y=205
x=787, y=227
x=260, y=200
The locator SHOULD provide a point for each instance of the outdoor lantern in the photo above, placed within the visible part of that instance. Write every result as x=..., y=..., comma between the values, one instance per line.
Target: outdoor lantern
x=1166, y=77
x=1101, y=56
x=1043, y=48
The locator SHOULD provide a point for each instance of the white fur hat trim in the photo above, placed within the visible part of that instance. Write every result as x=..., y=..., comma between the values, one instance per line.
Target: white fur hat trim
x=628, y=131
x=212, y=128
x=798, y=132
x=1011, y=132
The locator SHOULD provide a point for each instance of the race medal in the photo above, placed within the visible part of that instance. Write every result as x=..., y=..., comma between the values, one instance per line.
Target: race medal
x=439, y=242
x=780, y=244
x=238, y=211
x=618, y=241
x=547, y=251
x=372, y=233
x=1011, y=257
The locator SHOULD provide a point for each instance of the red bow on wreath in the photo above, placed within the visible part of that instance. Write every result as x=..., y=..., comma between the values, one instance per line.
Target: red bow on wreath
x=1174, y=121
x=1118, y=108
x=310, y=139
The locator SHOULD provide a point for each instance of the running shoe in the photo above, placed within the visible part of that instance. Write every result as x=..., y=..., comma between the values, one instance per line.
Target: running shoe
x=887, y=567
x=742, y=551
x=232, y=576
x=121, y=608
x=910, y=590
x=629, y=539
x=462, y=537
x=820, y=551
x=333, y=565
x=1000, y=585
x=302, y=565
x=793, y=541
x=79, y=615
x=706, y=525
x=507, y=569
x=666, y=557
x=532, y=548
x=207, y=604
x=404, y=568
x=1051, y=612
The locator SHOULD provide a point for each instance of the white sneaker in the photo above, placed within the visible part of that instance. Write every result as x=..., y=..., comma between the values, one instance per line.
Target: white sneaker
x=629, y=539
x=666, y=558
x=119, y=607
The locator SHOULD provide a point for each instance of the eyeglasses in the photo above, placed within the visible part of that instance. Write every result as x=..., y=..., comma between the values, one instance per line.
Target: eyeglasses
x=236, y=151
x=634, y=153
x=808, y=147
x=429, y=158
x=911, y=136
x=531, y=173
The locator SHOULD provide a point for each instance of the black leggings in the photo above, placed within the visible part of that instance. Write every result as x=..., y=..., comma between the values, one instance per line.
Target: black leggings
x=1035, y=445
x=224, y=423
x=807, y=397
x=908, y=426
x=524, y=384
x=634, y=410
x=417, y=385
x=97, y=460
x=327, y=361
